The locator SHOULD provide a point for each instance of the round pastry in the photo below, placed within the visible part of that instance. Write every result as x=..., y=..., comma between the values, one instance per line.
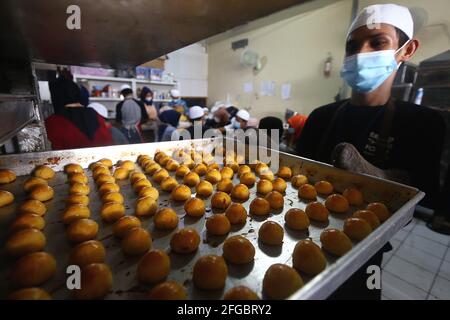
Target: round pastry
x=106, y=162
x=337, y=203
x=169, y=290
x=143, y=157
x=42, y=193
x=32, y=182
x=109, y=187
x=307, y=192
x=369, y=216
x=238, y=250
x=191, y=179
x=275, y=199
x=317, y=212
x=44, y=172
x=166, y=219
x=308, y=258
x=87, y=252
x=271, y=233
x=149, y=192
x=215, y=166
x=220, y=200
x=236, y=213
x=75, y=212
x=279, y=185
x=99, y=171
x=136, y=241
x=125, y=224
x=79, y=188
x=280, y=281
x=7, y=176
x=225, y=185
x=233, y=166
x=227, y=173
x=200, y=169
x=260, y=167
x=121, y=173
x=152, y=168
x=168, y=184
x=248, y=179
x=380, y=210
x=204, y=188
x=285, y=173
x=33, y=206
x=29, y=294
x=160, y=175
x=82, y=230
x=163, y=161
x=240, y=192
x=264, y=187
x=335, y=242
x=195, y=207
x=146, y=207
x=172, y=165
x=95, y=165
x=299, y=180
x=112, y=197
x=136, y=176
x=181, y=193
x=73, y=168
x=111, y=212
x=154, y=267
x=213, y=176
x=182, y=171
x=324, y=187
x=260, y=207
x=26, y=221
x=357, y=229
x=142, y=183
x=159, y=155
x=78, y=178
x=354, y=196
x=210, y=272
x=240, y=293
x=96, y=282
x=104, y=178
x=244, y=169
x=218, y=225
x=127, y=165
x=185, y=240
x=33, y=269
x=267, y=175
x=25, y=241
x=146, y=162
x=296, y=219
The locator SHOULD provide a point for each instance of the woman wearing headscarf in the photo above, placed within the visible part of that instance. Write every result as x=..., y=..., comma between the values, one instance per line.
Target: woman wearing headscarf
x=167, y=130
x=146, y=98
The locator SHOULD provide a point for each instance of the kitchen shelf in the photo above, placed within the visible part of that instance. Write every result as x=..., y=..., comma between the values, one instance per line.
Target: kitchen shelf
x=116, y=79
x=106, y=99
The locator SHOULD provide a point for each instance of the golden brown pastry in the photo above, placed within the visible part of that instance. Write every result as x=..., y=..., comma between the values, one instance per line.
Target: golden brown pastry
x=87, y=252
x=244, y=169
x=106, y=162
x=213, y=176
x=200, y=169
x=185, y=241
x=79, y=188
x=218, y=225
x=104, y=178
x=44, y=172
x=369, y=216
x=307, y=192
x=195, y=207
x=213, y=166
x=238, y=250
x=33, y=206
x=271, y=233
x=354, y=196
x=227, y=173
x=204, y=188
x=240, y=293
x=160, y=175
x=357, y=229
x=220, y=200
x=95, y=165
x=275, y=199
x=260, y=167
x=78, y=178
x=236, y=213
x=32, y=270
x=82, y=230
x=267, y=174
x=80, y=199
x=182, y=171
x=146, y=207
x=264, y=187
x=308, y=258
x=299, y=180
x=210, y=272
x=29, y=294
x=154, y=267
x=32, y=182
x=152, y=168
x=279, y=185
x=284, y=173
x=149, y=192
x=172, y=165
x=317, y=212
x=159, y=155
x=7, y=176
x=111, y=212
x=99, y=171
x=280, y=281
x=6, y=198
x=248, y=179
x=337, y=203
x=96, y=282
x=73, y=168
x=168, y=290
x=296, y=219
x=142, y=158
x=166, y=219
x=42, y=193
x=240, y=192
x=136, y=241
x=380, y=210
x=136, y=176
x=125, y=224
x=27, y=221
x=260, y=207
x=146, y=162
x=127, y=165
x=163, y=161
x=335, y=242
x=324, y=188
x=233, y=166
x=168, y=184
x=181, y=193
x=112, y=197
x=121, y=173
x=191, y=179
x=109, y=187
x=25, y=241
x=225, y=185
x=75, y=212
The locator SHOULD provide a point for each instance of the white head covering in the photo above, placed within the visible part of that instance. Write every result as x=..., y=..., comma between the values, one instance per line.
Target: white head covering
x=125, y=86
x=196, y=112
x=395, y=15
x=175, y=93
x=243, y=114
x=101, y=109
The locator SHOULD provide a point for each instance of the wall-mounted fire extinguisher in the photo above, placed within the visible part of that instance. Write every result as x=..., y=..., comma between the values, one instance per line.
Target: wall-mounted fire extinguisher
x=328, y=65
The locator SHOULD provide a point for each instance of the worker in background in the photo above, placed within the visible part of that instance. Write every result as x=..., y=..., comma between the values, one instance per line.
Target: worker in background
x=167, y=130
x=296, y=125
x=372, y=133
x=240, y=121
x=74, y=126
x=146, y=97
x=197, y=118
x=117, y=136
x=220, y=119
x=177, y=103
x=130, y=113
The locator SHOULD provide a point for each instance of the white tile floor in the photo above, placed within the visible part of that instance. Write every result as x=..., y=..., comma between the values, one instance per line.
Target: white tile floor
x=418, y=268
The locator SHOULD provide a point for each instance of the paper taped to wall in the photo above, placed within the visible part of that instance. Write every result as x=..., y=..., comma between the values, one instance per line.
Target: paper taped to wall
x=248, y=87
x=286, y=91
x=267, y=88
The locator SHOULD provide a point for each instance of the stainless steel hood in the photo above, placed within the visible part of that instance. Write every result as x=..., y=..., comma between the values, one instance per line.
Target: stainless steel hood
x=119, y=33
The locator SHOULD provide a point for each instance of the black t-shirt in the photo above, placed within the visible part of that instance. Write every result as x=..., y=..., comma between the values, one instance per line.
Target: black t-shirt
x=414, y=145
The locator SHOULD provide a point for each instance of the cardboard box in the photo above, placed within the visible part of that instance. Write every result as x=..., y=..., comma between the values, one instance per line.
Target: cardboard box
x=157, y=63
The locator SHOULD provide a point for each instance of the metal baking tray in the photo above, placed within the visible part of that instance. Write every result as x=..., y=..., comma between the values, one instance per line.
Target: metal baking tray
x=400, y=199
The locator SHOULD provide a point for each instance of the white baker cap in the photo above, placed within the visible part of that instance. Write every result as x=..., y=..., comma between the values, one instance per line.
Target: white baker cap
x=175, y=93
x=196, y=112
x=125, y=86
x=393, y=14
x=101, y=109
x=205, y=110
x=244, y=115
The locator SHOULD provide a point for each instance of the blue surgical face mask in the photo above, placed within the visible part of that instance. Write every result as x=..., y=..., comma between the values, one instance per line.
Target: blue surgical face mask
x=365, y=72
x=236, y=124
